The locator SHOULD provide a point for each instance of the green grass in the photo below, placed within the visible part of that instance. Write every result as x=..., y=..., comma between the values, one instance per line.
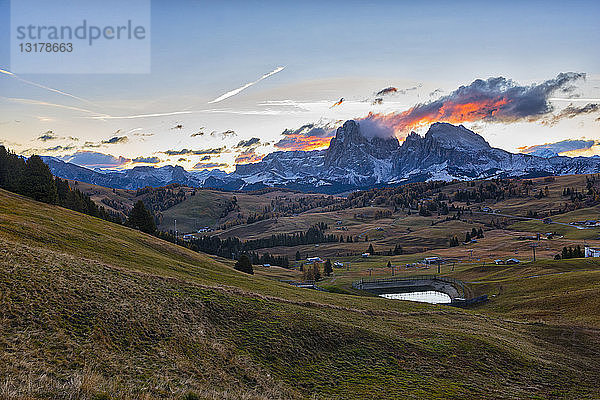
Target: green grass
x=91, y=309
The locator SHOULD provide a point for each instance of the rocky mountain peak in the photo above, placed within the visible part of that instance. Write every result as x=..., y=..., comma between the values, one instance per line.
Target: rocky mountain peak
x=456, y=137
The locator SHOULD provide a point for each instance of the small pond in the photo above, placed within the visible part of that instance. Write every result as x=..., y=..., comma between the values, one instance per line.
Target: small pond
x=428, y=296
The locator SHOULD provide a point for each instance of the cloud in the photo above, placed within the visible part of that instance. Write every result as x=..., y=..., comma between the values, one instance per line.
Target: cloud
x=116, y=140
x=247, y=157
x=556, y=148
x=386, y=91
x=205, y=158
x=210, y=165
x=199, y=133
x=497, y=99
x=337, y=103
x=246, y=86
x=394, y=90
x=182, y=159
x=48, y=135
x=572, y=111
x=224, y=134
x=308, y=136
x=59, y=148
x=146, y=160
x=248, y=143
x=17, y=77
x=91, y=159
x=185, y=152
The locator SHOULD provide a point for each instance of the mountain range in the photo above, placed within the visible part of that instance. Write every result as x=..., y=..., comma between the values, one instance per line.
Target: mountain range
x=352, y=161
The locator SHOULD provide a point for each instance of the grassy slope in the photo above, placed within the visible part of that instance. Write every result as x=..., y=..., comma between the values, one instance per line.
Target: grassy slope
x=88, y=307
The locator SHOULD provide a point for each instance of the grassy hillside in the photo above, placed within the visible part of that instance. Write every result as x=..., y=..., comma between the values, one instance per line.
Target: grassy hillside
x=90, y=309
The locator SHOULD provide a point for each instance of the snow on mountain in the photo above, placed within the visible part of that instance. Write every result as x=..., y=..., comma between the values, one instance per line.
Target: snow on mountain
x=353, y=161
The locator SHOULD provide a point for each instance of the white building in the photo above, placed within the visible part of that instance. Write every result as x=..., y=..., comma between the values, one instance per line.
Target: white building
x=592, y=251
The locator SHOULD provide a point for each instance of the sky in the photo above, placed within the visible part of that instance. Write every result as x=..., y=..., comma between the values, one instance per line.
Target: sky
x=228, y=82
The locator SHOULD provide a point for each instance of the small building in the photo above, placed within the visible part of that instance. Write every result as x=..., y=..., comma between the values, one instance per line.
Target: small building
x=512, y=261
x=314, y=260
x=486, y=209
x=547, y=220
x=338, y=264
x=365, y=255
x=591, y=251
x=188, y=237
x=266, y=265
x=432, y=260
x=499, y=262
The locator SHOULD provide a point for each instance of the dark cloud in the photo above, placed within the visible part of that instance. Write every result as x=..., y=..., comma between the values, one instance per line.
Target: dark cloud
x=182, y=159
x=386, y=91
x=60, y=148
x=205, y=158
x=307, y=137
x=91, y=159
x=394, y=90
x=492, y=100
x=185, y=152
x=116, y=140
x=248, y=143
x=378, y=100
x=248, y=156
x=146, y=160
x=91, y=144
x=178, y=126
x=572, y=111
x=210, y=165
x=313, y=130
x=48, y=135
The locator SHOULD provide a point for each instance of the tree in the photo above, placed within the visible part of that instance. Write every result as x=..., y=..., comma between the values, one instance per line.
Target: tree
x=11, y=169
x=140, y=218
x=37, y=181
x=327, y=268
x=398, y=250
x=371, y=250
x=468, y=237
x=389, y=264
x=298, y=256
x=244, y=265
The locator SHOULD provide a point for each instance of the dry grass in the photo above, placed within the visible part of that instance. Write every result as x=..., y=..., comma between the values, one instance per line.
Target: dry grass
x=90, y=309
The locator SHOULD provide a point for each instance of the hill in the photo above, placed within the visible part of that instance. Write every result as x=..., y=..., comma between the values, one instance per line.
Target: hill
x=91, y=309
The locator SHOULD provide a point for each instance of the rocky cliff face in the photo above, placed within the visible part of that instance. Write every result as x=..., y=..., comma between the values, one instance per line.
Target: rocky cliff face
x=354, y=161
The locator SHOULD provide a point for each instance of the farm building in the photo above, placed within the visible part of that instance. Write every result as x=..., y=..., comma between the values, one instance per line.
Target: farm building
x=591, y=251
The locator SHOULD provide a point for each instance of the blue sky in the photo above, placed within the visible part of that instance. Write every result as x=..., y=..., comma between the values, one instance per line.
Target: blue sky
x=200, y=50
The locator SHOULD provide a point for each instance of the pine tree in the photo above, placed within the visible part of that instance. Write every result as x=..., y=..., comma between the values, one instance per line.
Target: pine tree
x=37, y=181
x=371, y=250
x=140, y=218
x=327, y=268
x=244, y=265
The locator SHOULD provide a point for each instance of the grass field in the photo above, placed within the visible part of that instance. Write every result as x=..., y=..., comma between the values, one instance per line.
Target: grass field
x=90, y=309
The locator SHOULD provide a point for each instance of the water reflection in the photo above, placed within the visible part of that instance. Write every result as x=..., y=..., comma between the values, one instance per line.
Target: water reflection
x=429, y=296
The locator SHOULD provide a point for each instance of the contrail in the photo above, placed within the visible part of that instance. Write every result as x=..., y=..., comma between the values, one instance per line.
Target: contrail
x=140, y=115
x=246, y=86
x=45, y=103
x=17, y=77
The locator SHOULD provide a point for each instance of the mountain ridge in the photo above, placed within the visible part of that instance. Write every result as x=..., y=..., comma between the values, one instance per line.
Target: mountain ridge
x=352, y=161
